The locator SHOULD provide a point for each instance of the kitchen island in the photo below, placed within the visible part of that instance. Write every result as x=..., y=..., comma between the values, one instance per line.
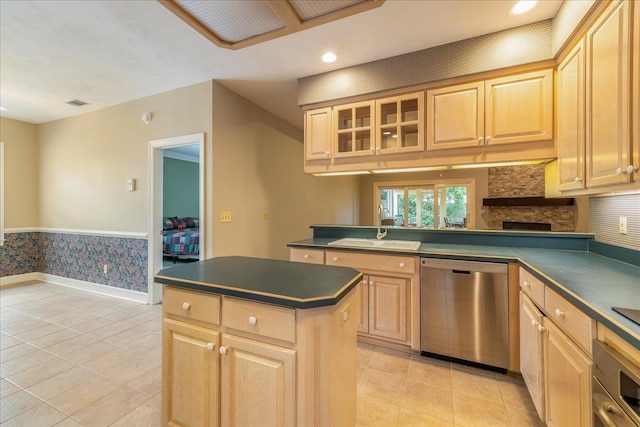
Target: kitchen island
x=250, y=341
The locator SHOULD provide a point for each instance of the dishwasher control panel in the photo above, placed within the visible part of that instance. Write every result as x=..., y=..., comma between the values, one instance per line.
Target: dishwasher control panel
x=454, y=264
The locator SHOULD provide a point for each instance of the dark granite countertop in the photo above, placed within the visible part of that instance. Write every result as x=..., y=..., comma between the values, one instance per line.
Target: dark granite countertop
x=592, y=282
x=285, y=283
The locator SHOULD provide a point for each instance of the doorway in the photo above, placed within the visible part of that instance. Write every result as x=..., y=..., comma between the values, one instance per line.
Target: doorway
x=157, y=150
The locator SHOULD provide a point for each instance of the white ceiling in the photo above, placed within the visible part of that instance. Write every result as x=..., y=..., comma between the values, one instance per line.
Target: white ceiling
x=110, y=52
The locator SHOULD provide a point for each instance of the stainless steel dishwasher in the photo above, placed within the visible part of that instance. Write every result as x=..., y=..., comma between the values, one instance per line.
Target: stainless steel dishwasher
x=464, y=311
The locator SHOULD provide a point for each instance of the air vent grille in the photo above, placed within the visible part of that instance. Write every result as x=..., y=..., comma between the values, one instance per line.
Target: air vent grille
x=77, y=103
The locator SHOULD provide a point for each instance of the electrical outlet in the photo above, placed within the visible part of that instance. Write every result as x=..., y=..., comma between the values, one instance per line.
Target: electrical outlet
x=265, y=215
x=623, y=225
x=225, y=216
x=105, y=268
x=344, y=316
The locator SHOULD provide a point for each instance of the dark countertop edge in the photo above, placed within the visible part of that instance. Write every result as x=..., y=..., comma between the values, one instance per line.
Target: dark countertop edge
x=593, y=311
x=262, y=297
x=512, y=233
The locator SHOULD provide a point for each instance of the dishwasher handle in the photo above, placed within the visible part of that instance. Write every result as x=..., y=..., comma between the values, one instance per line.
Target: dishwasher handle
x=460, y=272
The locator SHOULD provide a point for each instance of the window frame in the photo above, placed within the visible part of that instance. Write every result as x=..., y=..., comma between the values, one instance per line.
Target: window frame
x=436, y=185
x=1, y=193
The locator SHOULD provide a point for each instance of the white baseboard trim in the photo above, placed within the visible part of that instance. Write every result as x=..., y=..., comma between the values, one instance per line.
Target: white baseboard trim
x=18, y=278
x=96, y=288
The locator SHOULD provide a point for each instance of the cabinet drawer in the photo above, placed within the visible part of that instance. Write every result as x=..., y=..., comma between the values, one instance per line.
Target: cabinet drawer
x=261, y=319
x=312, y=256
x=575, y=323
x=386, y=263
x=531, y=286
x=191, y=304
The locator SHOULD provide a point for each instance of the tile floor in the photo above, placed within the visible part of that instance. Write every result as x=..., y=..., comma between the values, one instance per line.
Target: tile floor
x=73, y=358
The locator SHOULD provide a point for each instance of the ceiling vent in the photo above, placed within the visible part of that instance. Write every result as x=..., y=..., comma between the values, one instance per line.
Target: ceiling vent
x=77, y=103
x=238, y=24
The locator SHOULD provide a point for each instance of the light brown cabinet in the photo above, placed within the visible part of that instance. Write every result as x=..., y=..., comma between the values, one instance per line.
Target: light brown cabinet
x=387, y=300
x=555, y=354
x=400, y=124
x=505, y=110
x=567, y=380
x=317, y=134
x=354, y=130
x=233, y=362
x=570, y=120
x=531, y=356
x=388, y=308
x=190, y=363
x=257, y=383
x=608, y=97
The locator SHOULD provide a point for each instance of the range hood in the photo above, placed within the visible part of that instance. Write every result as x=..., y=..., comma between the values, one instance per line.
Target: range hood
x=528, y=201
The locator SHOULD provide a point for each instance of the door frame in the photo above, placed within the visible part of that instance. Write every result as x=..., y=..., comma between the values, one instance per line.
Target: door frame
x=155, y=151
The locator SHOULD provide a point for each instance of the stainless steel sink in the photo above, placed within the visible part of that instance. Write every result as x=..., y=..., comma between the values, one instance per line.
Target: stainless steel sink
x=406, y=245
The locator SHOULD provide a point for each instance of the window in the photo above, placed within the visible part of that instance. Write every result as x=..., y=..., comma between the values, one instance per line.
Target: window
x=429, y=204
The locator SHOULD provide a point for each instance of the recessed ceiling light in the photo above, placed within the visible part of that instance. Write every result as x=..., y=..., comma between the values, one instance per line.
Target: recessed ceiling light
x=2, y=108
x=523, y=6
x=77, y=103
x=329, y=57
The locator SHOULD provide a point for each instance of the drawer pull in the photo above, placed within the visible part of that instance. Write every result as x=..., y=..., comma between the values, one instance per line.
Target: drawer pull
x=559, y=313
x=210, y=346
x=335, y=259
x=186, y=306
x=540, y=327
x=306, y=256
x=401, y=265
x=526, y=284
x=223, y=350
x=253, y=320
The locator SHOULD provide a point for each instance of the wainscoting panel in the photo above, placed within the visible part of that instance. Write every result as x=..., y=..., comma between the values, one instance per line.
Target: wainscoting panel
x=20, y=254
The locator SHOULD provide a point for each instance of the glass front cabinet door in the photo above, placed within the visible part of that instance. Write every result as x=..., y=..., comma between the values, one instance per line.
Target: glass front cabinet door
x=400, y=124
x=354, y=130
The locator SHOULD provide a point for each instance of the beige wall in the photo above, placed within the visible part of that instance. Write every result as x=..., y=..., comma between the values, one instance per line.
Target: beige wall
x=367, y=198
x=570, y=14
x=258, y=167
x=21, y=173
x=85, y=160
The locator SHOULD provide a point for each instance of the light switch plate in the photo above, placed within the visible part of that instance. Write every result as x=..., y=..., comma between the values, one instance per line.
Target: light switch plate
x=225, y=216
x=131, y=184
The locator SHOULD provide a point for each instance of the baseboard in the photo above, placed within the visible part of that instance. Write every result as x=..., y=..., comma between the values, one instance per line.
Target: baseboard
x=18, y=278
x=96, y=288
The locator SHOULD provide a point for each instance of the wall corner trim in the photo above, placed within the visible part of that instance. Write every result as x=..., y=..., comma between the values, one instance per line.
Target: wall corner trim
x=106, y=233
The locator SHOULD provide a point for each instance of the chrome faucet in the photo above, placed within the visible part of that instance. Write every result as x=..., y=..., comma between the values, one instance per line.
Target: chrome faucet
x=380, y=234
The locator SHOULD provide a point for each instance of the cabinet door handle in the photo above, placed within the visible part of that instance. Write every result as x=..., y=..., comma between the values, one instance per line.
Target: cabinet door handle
x=619, y=171
x=222, y=350
x=335, y=259
x=401, y=265
x=253, y=320
x=630, y=169
x=210, y=346
x=540, y=327
x=480, y=140
x=186, y=306
x=327, y=154
x=306, y=256
x=373, y=150
x=577, y=180
x=488, y=139
x=378, y=150
x=559, y=313
x=526, y=284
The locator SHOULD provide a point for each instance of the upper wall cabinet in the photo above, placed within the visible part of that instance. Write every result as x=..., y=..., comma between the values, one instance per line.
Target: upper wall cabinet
x=608, y=97
x=317, y=134
x=455, y=116
x=570, y=120
x=400, y=124
x=353, y=129
x=519, y=108
x=597, y=105
x=506, y=110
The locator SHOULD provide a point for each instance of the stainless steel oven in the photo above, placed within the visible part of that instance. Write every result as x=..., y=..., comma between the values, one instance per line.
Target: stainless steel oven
x=616, y=388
